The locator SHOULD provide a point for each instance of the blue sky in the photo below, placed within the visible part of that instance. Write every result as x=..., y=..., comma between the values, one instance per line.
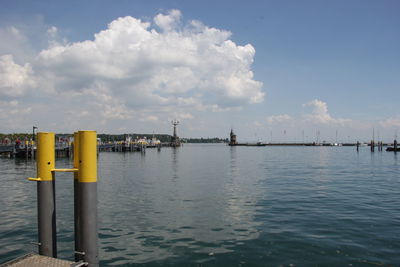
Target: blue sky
x=318, y=65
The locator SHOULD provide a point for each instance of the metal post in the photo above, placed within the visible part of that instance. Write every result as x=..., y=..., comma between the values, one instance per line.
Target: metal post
x=87, y=178
x=34, y=129
x=26, y=149
x=77, y=221
x=46, y=195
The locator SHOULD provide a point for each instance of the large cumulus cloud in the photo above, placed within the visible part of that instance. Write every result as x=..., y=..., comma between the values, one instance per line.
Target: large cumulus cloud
x=142, y=66
x=150, y=68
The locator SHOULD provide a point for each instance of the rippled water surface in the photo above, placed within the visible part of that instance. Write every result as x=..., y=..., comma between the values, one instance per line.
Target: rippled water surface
x=214, y=205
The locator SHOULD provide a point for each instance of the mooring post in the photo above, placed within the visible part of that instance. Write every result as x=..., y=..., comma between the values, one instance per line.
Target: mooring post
x=395, y=145
x=46, y=195
x=87, y=178
x=26, y=149
x=372, y=146
x=77, y=221
x=358, y=145
x=34, y=129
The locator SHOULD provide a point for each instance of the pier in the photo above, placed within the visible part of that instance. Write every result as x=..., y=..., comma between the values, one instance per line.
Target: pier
x=122, y=146
x=66, y=150
x=372, y=144
x=34, y=260
x=29, y=150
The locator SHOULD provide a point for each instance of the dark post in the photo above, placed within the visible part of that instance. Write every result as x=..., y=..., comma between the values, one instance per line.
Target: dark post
x=358, y=145
x=34, y=129
x=395, y=145
x=87, y=177
x=46, y=195
x=34, y=132
x=372, y=146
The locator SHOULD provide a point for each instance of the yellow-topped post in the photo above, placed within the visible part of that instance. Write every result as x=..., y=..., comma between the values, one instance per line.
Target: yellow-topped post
x=46, y=195
x=87, y=181
x=45, y=156
x=87, y=156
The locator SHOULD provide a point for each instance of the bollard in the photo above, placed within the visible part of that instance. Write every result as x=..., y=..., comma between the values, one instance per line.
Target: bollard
x=46, y=195
x=87, y=181
x=77, y=221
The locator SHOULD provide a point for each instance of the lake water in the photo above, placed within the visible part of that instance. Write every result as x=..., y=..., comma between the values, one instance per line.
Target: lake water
x=214, y=205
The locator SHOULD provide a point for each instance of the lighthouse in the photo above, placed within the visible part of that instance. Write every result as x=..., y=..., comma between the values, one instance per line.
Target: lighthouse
x=175, y=142
x=232, y=140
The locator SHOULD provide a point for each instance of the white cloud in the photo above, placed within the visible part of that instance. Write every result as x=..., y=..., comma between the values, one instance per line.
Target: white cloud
x=109, y=107
x=12, y=108
x=390, y=123
x=13, y=114
x=320, y=114
x=168, y=22
x=184, y=116
x=133, y=69
x=278, y=118
x=14, y=79
x=148, y=118
x=141, y=67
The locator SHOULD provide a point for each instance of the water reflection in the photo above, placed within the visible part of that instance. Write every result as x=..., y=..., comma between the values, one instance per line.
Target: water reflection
x=202, y=203
x=190, y=205
x=18, y=208
x=175, y=152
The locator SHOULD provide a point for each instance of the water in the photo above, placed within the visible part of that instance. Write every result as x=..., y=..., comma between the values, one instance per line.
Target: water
x=213, y=205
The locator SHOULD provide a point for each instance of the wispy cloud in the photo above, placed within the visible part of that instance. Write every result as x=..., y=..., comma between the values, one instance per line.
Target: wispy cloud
x=317, y=115
x=278, y=118
x=391, y=123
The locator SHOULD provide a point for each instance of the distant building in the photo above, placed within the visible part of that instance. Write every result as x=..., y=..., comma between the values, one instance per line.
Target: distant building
x=232, y=140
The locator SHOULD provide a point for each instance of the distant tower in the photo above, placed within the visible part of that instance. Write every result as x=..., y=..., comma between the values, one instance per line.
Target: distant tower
x=175, y=142
x=232, y=141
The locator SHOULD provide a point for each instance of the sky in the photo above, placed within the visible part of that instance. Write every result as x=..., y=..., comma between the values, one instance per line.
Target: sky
x=279, y=71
